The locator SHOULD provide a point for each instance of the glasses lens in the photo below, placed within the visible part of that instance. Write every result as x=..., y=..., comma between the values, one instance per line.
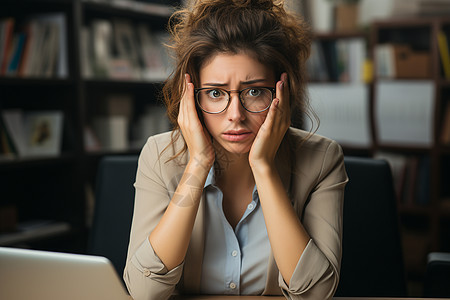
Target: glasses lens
x=212, y=100
x=256, y=99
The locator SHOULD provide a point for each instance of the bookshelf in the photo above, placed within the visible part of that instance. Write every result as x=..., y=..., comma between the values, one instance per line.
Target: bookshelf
x=52, y=190
x=339, y=90
x=405, y=110
x=419, y=95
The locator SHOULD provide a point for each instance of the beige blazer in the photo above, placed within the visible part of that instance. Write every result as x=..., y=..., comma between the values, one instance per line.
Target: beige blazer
x=313, y=173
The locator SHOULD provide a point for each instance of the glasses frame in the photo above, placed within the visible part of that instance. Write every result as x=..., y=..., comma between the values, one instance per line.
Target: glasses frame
x=196, y=91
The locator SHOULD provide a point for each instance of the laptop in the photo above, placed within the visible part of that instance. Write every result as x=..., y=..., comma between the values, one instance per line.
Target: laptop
x=41, y=275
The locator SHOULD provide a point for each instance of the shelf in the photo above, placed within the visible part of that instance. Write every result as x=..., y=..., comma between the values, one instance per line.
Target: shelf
x=445, y=83
x=34, y=81
x=98, y=83
x=444, y=207
x=129, y=9
x=339, y=35
x=444, y=149
x=35, y=161
x=405, y=149
x=37, y=231
x=356, y=151
x=101, y=153
x=408, y=22
x=415, y=209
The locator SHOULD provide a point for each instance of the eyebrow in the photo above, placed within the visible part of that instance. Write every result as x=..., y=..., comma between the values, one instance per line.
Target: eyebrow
x=248, y=82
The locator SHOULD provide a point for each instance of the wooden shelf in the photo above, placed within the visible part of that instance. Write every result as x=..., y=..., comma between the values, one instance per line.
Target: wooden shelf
x=39, y=231
x=99, y=83
x=34, y=81
x=53, y=187
x=413, y=150
x=420, y=222
x=128, y=9
x=37, y=161
x=415, y=209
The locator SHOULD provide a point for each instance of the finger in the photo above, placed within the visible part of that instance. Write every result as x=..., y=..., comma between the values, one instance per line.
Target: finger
x=190, y=99
x=188, y=96
x=282, y=93
x=282, y=87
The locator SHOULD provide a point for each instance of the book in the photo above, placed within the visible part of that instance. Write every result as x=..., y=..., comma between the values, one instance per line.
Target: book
x=6, y=44
x=410, y=181
x=38, y=48
x=16, y=54
x=385, y=61
x=424, y=181
x=317, y=69
x=86, y=53
x=43, y=131
x=153, y=121
x=112, y=132
x=102, y=43
x=49, y=51
x=59, y=47
x=13, y=124
x=445, y=132
x=33, y=58
x=7, y=146
x=444, y=53
x=154, y=61
x=421, y=8
x=126, y=45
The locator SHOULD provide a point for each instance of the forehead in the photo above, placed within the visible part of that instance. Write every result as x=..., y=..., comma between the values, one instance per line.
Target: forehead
x=228, y=68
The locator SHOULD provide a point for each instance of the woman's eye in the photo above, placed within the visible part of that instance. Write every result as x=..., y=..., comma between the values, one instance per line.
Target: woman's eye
x=254, y=92
x=215, y=93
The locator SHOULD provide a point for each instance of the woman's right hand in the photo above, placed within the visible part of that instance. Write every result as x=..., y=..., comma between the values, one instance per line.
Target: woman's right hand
x=197, y=138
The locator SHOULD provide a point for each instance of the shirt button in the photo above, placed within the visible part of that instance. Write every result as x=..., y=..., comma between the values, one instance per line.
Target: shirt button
x=232, y=285
x=250, y=206
x=146, y=272
x=234, y=253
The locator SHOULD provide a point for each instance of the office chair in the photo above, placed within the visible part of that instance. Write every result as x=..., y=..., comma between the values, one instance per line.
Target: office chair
x=113, y=212
x=372, y=259
x=437, y=275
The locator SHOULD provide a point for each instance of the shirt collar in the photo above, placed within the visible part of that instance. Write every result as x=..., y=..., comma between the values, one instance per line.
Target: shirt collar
x=211, y=181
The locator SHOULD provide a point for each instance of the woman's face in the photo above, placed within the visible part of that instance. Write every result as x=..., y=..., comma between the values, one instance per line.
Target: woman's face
x=235, y=128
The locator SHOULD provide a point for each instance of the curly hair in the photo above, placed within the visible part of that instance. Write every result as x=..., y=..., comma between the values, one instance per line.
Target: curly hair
x=262, y=29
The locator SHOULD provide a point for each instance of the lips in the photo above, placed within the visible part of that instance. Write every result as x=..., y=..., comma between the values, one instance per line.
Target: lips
x=236, y=135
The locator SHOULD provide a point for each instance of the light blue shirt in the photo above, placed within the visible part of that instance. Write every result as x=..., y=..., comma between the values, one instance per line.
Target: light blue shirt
x=235, y=261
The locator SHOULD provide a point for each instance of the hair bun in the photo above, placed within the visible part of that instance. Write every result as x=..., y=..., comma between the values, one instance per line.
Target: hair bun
x=259, y=4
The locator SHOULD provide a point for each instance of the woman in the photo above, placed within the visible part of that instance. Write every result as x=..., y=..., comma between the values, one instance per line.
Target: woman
x=233, y=200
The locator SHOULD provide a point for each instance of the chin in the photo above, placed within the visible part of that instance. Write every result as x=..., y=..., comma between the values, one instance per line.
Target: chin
x=236, y=148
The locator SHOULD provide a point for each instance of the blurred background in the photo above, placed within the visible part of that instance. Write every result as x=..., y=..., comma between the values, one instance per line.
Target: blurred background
x=81, y=80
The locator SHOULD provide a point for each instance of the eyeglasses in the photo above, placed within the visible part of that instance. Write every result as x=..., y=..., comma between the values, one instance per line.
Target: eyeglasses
x=217, y=100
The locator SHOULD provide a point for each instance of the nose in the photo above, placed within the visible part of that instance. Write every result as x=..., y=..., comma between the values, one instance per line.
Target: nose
x=235, y=109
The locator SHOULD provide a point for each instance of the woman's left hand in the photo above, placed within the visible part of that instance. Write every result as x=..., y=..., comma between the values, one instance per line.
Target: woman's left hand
x=272, y=131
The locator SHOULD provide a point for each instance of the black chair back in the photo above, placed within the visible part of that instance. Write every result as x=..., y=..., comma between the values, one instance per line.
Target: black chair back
x=113, y=209
x=437, y=276
x=372, y=261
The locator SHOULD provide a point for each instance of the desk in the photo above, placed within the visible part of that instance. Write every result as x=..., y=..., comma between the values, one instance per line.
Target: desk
x=282, y=298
